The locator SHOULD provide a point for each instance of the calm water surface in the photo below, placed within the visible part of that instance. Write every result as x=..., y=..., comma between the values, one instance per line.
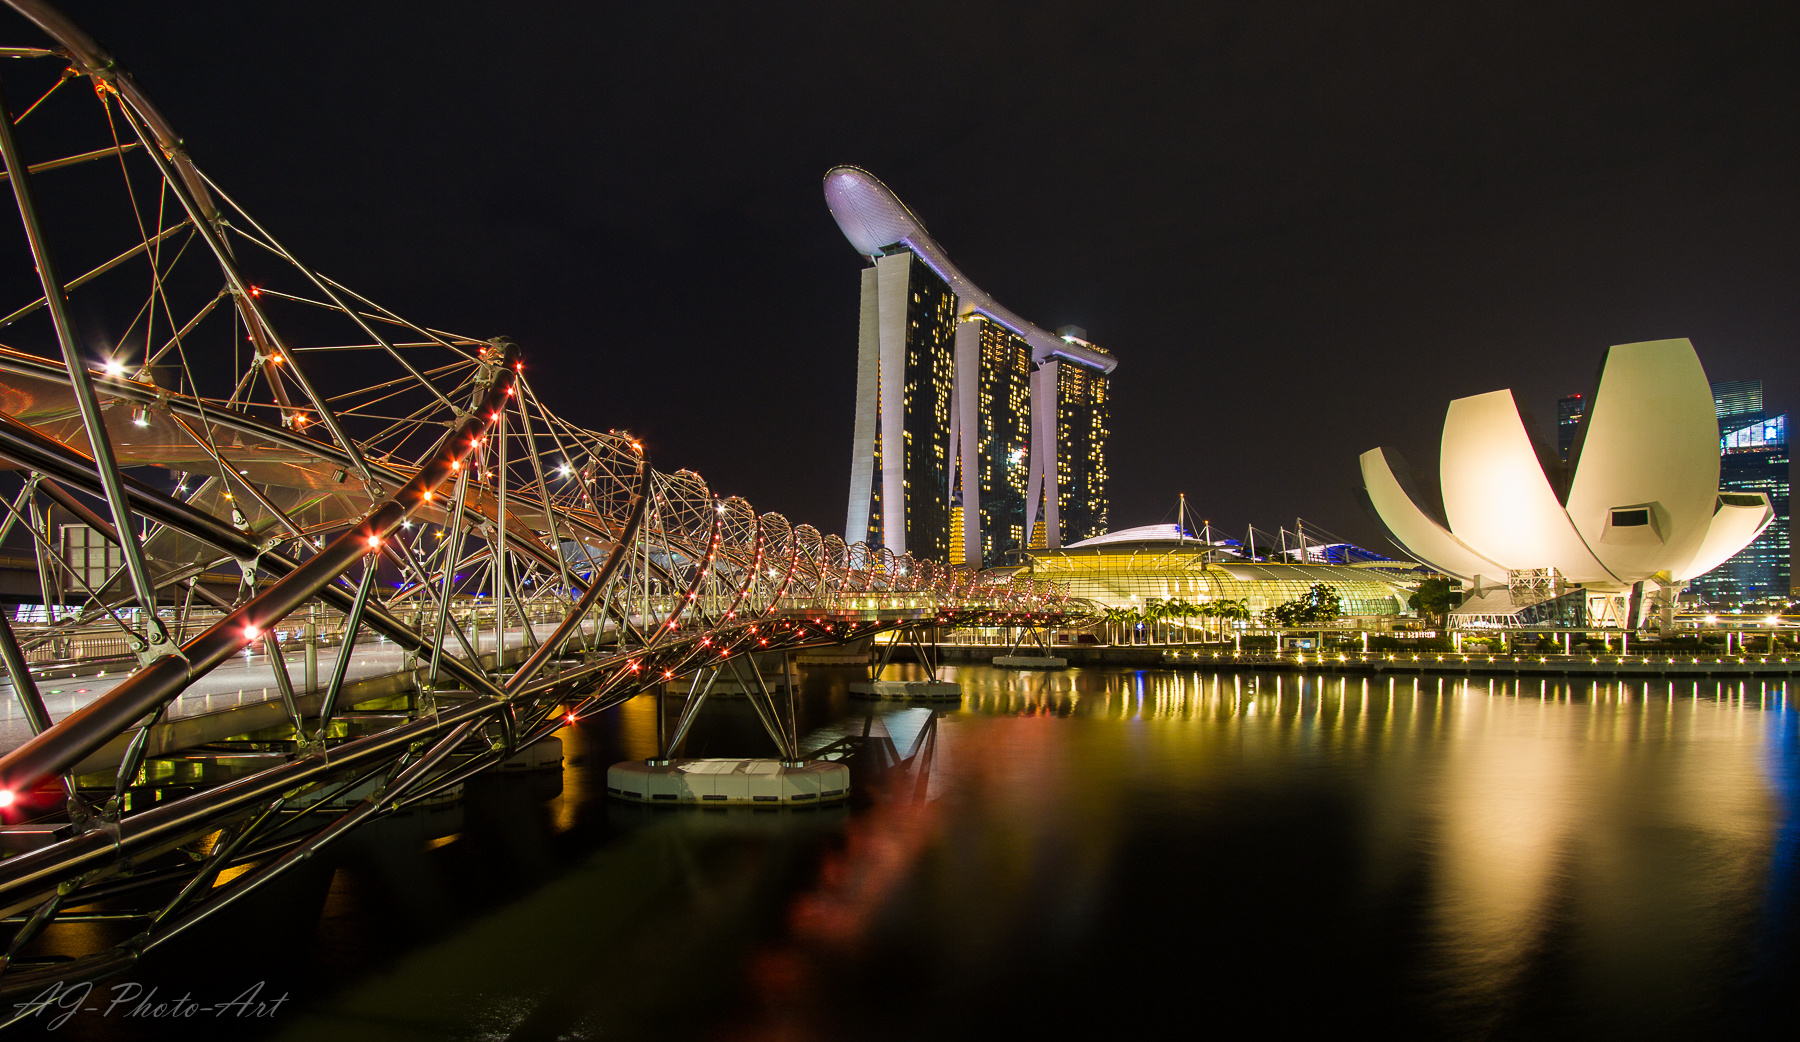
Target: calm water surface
x=1086, y=854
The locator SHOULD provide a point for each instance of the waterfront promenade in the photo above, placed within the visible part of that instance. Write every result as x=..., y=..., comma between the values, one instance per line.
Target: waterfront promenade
x=1656, y=664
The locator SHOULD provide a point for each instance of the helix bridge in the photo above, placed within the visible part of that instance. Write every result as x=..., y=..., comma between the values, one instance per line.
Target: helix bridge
x=258, y=460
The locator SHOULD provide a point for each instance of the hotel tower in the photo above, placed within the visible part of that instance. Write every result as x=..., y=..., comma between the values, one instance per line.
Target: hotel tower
x=977, y=433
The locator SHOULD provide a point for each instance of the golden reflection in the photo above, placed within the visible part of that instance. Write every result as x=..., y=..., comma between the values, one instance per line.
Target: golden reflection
x=637, y=723
x=1522, y=798
x=565, y=809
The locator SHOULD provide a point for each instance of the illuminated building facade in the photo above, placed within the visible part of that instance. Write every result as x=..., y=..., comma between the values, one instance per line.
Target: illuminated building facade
x=901, y=475
x=1082, y=420
x=1136, y=567
x=1753, y=458
x=1569, y=411
x=977, y=433
x=993, y=465
x=1643, y=511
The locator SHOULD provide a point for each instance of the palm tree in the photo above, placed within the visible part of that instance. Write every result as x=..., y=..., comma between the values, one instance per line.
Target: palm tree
x=1184, y=610
x=1120, y=620
x=1207, y=611
x=1154, y=613
x=1235, y=610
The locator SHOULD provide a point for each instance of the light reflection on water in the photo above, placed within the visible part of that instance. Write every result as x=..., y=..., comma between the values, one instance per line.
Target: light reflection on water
x=1098, y=851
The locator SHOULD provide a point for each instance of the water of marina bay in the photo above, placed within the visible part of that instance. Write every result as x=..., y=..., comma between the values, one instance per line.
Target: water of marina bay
x=1081, y=854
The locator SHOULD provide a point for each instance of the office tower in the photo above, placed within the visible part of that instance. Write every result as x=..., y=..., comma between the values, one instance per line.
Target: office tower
x=1569, y=411
x=1739, y=403
x=967, y=416
x=1753, y=457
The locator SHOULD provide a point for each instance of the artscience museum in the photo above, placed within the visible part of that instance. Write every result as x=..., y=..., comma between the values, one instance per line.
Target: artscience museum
x=1607, y=539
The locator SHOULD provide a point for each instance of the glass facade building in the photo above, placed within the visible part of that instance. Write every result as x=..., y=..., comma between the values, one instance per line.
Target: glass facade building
x=1739, y=402
x=1081, y=433
x=925, y=399
x=1569, y=410
x=1136, y=574
x=901, y=479
x=1753, y=457
x=1003, y=442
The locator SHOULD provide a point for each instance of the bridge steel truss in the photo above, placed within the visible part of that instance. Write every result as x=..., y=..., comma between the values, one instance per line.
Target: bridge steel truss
x=251, y=414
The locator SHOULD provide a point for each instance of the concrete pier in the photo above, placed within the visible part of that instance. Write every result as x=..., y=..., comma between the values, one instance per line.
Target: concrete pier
x=907, y=690
x=1030, y=662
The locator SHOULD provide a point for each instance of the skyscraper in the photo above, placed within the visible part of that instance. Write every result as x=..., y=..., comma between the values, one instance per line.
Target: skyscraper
x=975, y=430
x=1569, y=411
x=903, y=423
x=1082, y=421
x=1739, y=403
x=993, y=465
x=1753, y=457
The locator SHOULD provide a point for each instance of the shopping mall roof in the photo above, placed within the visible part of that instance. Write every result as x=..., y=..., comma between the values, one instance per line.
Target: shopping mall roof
x=1135, y=569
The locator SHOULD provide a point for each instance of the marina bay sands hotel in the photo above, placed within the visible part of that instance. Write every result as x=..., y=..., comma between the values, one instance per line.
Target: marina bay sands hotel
x=978, y=434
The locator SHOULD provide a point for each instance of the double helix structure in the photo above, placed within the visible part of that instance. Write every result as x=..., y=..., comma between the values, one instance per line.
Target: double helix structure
x=219, y=460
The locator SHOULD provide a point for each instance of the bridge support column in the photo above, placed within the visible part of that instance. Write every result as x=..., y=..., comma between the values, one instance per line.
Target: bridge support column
x=789, y=780
x=1014, y=660
x=931, y=689
x=312, y=647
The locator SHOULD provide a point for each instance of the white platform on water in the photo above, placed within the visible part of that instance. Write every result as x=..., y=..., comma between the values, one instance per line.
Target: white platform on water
x=913, y=690
x=727, y=781
x=1030, y=662
x=546, y=755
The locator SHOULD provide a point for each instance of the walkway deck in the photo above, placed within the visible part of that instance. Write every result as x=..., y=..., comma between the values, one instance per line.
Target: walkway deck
x=236, y=698
x=1654, y=665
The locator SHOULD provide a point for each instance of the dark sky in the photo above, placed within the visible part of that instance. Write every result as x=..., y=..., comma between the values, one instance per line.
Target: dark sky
x=1301, y=227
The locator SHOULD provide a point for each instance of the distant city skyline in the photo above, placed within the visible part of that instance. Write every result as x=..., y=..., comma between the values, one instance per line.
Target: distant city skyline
x=1753, y=457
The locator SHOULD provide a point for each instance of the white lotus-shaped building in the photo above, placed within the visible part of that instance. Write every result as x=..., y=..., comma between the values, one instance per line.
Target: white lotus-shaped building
x=1638, y=502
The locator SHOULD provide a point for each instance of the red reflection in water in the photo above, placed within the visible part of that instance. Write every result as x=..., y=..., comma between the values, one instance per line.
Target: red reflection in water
x=834, y=917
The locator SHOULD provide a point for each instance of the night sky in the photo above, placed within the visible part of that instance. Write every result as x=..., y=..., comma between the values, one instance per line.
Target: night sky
x=1301, y=227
